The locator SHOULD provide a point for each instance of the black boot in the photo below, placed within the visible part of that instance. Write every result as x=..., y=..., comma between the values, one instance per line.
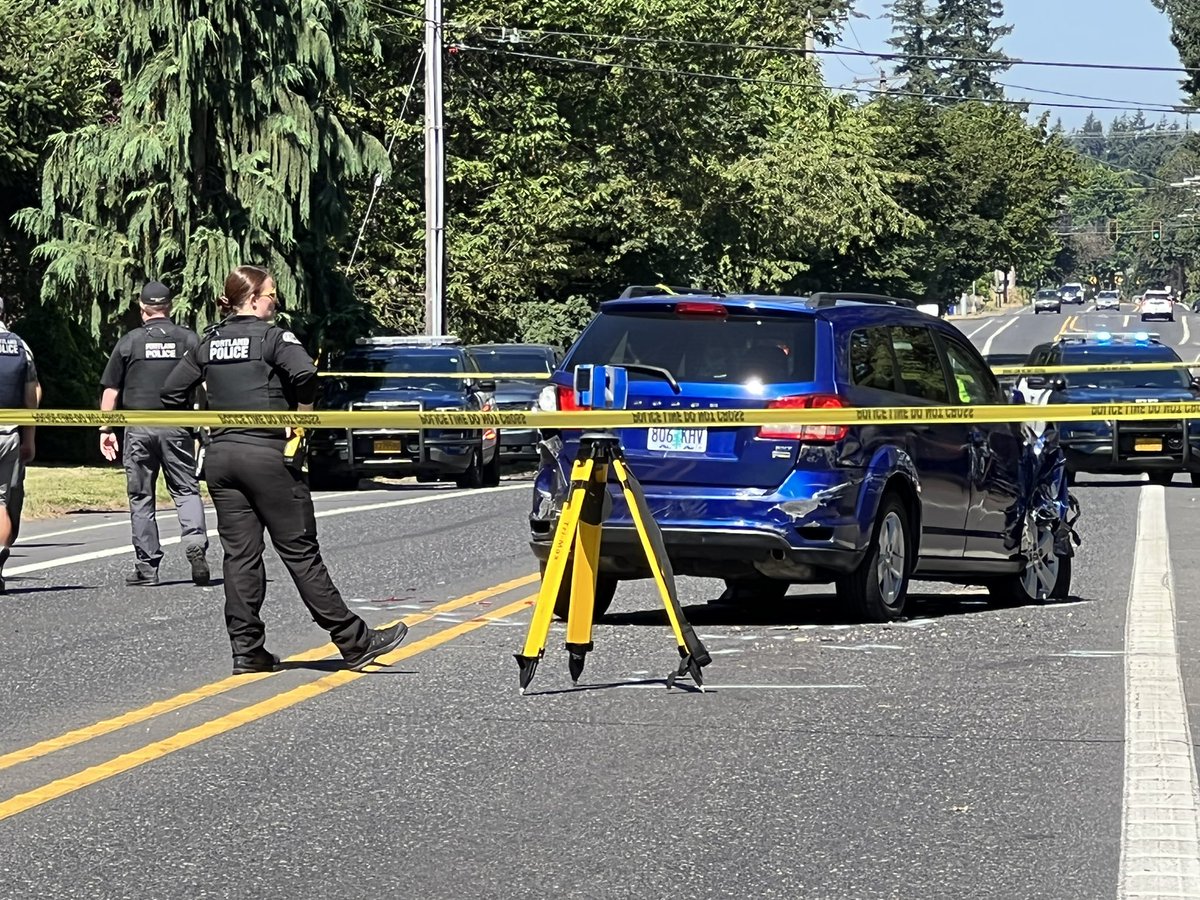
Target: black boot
x=381, y=641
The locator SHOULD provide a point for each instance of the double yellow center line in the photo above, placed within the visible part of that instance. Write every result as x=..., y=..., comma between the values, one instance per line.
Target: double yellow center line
x=255, y=711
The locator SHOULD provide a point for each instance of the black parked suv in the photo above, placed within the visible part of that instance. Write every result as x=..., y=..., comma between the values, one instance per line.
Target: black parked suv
x=518, y=394
x=428, y=375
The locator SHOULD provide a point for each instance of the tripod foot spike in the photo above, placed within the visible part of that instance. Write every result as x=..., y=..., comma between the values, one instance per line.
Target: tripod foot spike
x=576, y=660
x=528, y=666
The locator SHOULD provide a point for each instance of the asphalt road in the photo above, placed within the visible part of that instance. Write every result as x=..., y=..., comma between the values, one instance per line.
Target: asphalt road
x=970, y=751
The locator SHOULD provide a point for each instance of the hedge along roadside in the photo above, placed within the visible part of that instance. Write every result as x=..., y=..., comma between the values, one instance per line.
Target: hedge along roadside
x=584, y=420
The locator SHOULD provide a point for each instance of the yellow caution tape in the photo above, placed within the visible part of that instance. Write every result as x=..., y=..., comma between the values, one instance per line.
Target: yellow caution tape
x=462, y=376
x=1095, y=367
x=998, y=370
x=683, y=418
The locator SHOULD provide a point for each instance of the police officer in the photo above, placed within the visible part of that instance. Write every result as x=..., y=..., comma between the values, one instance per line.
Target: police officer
x=248, y=363
x=19, y=389
x=139, y=364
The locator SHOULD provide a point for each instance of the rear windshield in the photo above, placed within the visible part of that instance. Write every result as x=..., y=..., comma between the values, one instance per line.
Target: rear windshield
x=531, y=362
x=702, y=349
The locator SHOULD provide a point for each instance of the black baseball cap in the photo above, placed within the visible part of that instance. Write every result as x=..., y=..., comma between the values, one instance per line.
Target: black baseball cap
x=155, y=293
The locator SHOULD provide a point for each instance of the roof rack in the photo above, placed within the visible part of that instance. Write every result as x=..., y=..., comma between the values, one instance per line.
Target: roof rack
x=655, y=290
x=830, y=298
x=416, y=340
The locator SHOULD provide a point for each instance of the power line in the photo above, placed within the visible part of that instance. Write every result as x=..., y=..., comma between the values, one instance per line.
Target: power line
x=744, y=79
x=844, y=51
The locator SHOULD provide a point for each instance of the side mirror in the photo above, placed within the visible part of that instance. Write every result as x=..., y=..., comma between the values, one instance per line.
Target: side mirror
x=1057, y=383
x=487, y=387
x=1194, y=385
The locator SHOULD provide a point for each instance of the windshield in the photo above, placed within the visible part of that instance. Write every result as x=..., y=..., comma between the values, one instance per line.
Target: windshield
x=1107, y=295
x=525, y=361
x=1163, y=378
x=425, y=367
x=1044, y=294
x=702, y=349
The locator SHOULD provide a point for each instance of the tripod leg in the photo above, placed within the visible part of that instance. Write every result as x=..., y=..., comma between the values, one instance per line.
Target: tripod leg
x=692, y=652
x=556, y=571
x=586, y=567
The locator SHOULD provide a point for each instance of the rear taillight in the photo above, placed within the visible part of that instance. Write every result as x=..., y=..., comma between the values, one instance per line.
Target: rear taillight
x=700, y=308
x=806, y=432
x=566, y=399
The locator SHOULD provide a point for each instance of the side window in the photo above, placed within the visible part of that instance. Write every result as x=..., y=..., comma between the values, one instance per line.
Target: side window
x=871, y=362
x=921, y=370
x=973, y=381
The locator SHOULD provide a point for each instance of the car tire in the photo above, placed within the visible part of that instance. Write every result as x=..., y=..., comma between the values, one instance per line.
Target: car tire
x=754, y=590
x=1161, y=477
x=1018, y=589
x=322, y=479
x=606, y=590
x=876, y=591
x=472, y=478
x=491, y=472
x=1195, y=479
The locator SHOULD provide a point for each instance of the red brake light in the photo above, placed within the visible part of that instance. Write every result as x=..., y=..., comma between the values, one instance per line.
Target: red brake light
x=810, y=433
x=698, y=308
x=566, y=399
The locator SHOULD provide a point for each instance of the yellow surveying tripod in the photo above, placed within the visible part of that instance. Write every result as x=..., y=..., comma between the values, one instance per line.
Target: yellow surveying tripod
x=577, y=542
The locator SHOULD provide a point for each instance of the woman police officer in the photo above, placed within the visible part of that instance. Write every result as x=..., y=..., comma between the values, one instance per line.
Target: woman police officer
x=248, y=363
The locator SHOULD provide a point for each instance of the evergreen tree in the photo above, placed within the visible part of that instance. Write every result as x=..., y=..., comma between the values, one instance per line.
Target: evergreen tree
x=1185, y=35
x=968, y=32
x=225, y=148
x=911, y=27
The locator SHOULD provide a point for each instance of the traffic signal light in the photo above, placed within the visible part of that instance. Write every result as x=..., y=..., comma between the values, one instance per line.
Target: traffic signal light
x=1112, y=229
x=1156, y=231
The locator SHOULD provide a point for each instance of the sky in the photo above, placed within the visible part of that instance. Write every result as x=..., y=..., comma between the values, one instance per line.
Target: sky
x=1126, y=32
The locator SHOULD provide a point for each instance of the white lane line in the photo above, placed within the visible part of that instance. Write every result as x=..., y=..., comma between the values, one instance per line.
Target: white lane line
x=979, y=329
x=1160, y=808
x=987, y=347
x=1187, y=334
x=124, y=519
x=212, y=532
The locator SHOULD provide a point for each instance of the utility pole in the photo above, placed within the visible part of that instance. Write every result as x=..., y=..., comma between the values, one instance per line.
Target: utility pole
x=435, y=175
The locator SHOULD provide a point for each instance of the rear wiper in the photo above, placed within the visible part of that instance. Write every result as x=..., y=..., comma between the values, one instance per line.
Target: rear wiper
x=662, y=373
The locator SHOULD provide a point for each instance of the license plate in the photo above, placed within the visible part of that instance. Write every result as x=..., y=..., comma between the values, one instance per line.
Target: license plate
x=678, y=440
x=389, y=446
x=1147, y=445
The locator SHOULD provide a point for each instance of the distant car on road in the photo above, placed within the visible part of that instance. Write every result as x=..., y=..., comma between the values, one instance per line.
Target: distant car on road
x=1047, y=300
x=1108, y=300
x=1159, y=448
x=518, y=394
x=1158, y=305
x=1072, y=292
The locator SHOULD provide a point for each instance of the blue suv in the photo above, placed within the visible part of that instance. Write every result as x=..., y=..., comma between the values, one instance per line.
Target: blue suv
x=1160, y=448
x=866, y=506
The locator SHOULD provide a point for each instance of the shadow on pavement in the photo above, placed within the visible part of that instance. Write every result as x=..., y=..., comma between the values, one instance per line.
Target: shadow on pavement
x=821, y=609
x=11, y=591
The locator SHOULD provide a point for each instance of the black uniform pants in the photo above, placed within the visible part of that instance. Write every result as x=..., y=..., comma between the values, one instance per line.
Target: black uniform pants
x=252, y=488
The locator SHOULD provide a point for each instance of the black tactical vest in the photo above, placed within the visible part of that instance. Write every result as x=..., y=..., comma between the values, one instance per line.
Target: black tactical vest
x=14, y=368
x=238, y=375
x=154, y=350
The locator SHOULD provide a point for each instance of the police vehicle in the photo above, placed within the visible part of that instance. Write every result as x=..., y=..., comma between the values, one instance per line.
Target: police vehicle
x=1158, y=448
x=413, y=374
